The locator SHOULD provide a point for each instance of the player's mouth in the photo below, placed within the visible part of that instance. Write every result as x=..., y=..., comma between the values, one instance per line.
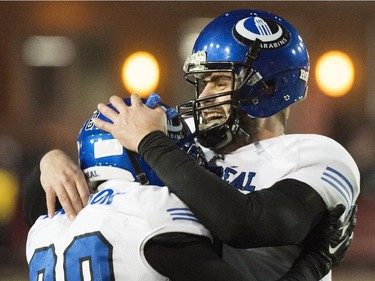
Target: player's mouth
x=212, y=117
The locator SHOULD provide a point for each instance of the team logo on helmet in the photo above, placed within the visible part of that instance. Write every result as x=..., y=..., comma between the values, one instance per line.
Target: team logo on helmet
x=90, y=123
x=268, y=31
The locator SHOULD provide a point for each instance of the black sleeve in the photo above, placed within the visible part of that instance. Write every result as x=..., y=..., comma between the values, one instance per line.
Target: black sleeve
x=304, y=269
x=280, y=215
x=34, y=198
x=186, y=257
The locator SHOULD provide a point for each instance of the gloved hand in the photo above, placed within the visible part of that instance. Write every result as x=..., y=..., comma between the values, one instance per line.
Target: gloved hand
x=325, y=247
x=330, y=241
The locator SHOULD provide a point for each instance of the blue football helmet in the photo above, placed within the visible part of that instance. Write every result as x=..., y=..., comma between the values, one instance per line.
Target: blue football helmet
x=102, y=157
x=268, y=63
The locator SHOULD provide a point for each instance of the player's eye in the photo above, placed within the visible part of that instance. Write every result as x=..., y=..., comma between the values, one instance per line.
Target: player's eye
x=222, y=82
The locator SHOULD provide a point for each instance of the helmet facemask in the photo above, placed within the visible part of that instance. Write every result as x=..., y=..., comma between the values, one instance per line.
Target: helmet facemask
x=214, y=131
x=216, y=134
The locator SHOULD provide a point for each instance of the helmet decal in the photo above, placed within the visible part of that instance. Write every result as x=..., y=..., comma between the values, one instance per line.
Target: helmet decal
x=268, y=31
x=106, y=148
x=304, y=75
x=90, y=123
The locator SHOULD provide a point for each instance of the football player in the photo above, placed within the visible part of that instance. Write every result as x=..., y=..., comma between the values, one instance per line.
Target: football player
x=126, y=229
x=248, y=67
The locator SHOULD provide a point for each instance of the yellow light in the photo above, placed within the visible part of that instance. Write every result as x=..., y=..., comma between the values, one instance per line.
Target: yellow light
x=140, y=73
x=334, y=73
x=9, y=187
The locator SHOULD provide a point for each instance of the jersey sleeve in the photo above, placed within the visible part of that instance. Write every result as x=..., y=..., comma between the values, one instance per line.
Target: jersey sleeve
x=184, y=257
x=328, y=168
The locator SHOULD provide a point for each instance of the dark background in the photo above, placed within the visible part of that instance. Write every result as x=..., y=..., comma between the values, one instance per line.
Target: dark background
x=44, y=107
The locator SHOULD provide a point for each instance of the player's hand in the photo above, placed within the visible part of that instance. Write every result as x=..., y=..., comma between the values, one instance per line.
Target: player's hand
x=326, y=246
x=62, y=178
x=131, y=123
x=337, y=237
x=330, y=239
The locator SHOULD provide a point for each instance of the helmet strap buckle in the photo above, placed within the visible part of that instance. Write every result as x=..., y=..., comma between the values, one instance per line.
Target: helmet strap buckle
x=141, y=175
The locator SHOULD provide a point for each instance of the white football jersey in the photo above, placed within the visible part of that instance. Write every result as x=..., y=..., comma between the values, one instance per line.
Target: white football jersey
x=107, y=238
x=316, y=160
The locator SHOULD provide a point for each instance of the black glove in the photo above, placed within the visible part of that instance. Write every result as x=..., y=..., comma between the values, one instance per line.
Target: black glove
x=329, y=240
x=325, y=247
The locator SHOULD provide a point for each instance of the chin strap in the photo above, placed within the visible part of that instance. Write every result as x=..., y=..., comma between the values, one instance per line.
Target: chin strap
x=236, y=128
x=141, y=176
x=243, y=134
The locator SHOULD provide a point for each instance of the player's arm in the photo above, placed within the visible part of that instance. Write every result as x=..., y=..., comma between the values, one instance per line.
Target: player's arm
x=182, y=256
x=186, y=257
x=324, y=248
x=34, y=198
x=280, y=215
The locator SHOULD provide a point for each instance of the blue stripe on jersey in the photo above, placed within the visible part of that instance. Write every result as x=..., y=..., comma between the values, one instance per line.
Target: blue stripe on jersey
x=181, y=214
x=178, y=209
x=339, y=182
x=343, y=177
x=338, y=189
